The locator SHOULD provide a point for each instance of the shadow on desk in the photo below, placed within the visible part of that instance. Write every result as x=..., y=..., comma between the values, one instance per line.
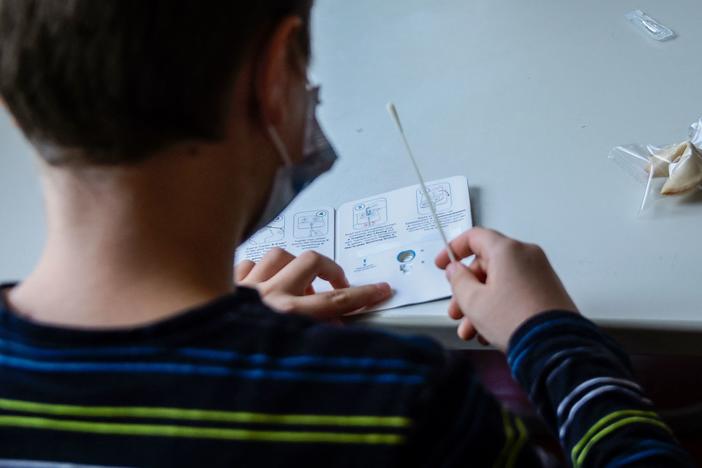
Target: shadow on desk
x=672, y=382
x=475, y=193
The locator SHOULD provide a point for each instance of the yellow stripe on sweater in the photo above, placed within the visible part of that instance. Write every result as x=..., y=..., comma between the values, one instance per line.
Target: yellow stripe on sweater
x=608, y=424
x=159, y=430
x=203, y=415
x=521, y=429
x=509, y=439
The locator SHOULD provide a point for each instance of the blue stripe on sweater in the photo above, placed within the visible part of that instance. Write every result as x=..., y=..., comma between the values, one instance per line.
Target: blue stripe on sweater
x=648, y=447
x=206, y=370
x=216, y=355
x=524, y=340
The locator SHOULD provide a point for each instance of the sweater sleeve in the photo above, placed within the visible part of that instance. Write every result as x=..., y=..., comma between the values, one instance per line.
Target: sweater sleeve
x=460, y=424
x=582, y=384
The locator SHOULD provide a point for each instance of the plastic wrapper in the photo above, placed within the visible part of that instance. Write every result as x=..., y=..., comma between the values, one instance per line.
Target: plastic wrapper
x=667, y=170
x=649, y=26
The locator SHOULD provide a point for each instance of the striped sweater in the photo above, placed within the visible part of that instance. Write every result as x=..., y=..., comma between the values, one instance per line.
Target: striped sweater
x=233, y=383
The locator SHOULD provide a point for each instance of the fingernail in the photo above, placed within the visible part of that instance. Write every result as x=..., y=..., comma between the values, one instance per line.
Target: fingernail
x=383, y=290
x=450, y=270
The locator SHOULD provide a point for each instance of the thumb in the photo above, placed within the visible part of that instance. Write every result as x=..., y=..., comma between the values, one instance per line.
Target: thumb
x=460, y=277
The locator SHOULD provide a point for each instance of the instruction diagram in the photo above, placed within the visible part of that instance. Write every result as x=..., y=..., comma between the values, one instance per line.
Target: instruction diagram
x=370, y=213
x=311, y=224
x=406, y=257
x=440, y=195
x=273, y=232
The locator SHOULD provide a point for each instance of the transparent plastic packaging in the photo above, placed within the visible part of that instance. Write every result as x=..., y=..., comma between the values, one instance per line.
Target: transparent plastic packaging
x=664, y=171
x=649, y=26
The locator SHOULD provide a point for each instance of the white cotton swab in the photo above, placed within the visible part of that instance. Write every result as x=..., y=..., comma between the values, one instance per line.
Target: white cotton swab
x=393, y=113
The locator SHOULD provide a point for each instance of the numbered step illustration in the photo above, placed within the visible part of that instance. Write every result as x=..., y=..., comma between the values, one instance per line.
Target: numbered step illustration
x=441, y=196
x=311, y=224
x=370, y=213
x=274, y=232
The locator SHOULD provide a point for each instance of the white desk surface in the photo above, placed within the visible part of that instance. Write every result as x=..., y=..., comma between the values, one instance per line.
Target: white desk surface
x=526, y=99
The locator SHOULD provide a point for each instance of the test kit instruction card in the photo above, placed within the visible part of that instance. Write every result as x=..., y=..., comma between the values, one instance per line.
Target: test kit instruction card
x=389, y=237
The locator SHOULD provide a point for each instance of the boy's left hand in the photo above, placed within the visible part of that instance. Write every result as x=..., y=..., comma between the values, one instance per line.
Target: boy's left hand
x=285, y=284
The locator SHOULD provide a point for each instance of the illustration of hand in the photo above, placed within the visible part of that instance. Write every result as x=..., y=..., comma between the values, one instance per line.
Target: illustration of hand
x=507, y=283
x=285, y=284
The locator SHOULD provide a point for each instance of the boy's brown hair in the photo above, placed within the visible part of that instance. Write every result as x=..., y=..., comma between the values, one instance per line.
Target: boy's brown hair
x=110, y=81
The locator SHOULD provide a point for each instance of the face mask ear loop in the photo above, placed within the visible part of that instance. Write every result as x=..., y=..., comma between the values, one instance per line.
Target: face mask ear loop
x=279, y=145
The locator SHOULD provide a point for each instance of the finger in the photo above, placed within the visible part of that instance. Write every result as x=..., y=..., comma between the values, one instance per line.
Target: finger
x=466, y=331
x=454, y=311
x=274, y=261
x=464, y=285
x=308, y=266
x=242, y=269
x=476, y=241
x=476, y=268
x=482, y=340
x=309, y=290
x=462, y=279
x=334, y=304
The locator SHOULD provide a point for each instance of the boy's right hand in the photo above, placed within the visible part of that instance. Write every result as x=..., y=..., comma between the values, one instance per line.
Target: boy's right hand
x=507, y=283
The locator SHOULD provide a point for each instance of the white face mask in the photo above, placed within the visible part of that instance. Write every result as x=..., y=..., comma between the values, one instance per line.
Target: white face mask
x=290, y=179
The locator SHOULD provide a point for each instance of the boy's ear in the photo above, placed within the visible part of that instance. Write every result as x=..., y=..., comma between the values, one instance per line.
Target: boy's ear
x=275, y=71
